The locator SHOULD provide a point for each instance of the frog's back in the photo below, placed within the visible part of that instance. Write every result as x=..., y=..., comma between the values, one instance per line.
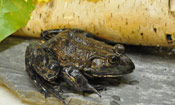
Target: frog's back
x=74, y=48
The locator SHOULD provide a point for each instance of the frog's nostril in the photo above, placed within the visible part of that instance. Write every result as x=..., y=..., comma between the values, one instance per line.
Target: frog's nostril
x=127, y=62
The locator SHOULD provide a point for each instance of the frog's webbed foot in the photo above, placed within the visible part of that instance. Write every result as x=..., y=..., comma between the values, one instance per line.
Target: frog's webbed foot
x=43, y=69
x=76, y=79
x=46, y=88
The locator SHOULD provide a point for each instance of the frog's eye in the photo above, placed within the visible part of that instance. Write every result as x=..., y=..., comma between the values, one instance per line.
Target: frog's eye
x=113, y=59
x=119, y=49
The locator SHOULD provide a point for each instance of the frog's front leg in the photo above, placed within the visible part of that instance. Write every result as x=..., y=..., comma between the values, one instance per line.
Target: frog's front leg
x=43, y=69
x=76, y=79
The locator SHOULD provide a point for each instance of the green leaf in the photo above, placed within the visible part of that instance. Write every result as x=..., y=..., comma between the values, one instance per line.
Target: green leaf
x=14, y=14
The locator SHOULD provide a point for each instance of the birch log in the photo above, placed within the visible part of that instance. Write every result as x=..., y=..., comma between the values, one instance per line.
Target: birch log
x=136, y=22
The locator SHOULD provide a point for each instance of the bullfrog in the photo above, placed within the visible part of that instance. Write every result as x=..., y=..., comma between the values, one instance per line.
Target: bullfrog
x=73, y=55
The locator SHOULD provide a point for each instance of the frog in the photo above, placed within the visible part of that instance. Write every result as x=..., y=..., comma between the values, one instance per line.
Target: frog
x=73, y=55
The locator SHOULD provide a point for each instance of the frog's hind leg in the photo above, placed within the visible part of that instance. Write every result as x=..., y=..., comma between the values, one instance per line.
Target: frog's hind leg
x=47, y=34
x=43, y=69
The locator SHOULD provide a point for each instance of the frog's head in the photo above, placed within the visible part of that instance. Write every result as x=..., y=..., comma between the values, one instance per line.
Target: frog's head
x=111, y=65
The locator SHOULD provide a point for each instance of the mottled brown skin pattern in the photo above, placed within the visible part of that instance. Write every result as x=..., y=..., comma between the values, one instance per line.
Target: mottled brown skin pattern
x=73, y=55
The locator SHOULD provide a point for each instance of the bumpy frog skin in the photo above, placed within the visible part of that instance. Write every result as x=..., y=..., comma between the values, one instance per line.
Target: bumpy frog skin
x=73, y=55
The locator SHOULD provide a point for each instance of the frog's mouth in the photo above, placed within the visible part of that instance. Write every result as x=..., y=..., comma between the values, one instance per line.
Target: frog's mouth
x=103, y=75
x=118, y=71
x=106, y=75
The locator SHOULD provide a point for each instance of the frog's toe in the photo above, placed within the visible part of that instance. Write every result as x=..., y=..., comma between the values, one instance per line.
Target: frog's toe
x=45, y=92
x=49, y=89
x=91, y=88
x=52, y=90
x=57, y=92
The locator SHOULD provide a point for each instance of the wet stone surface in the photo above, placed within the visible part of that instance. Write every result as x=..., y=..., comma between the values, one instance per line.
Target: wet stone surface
x=152, y=82
x=114, y=103
x=134, y=82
